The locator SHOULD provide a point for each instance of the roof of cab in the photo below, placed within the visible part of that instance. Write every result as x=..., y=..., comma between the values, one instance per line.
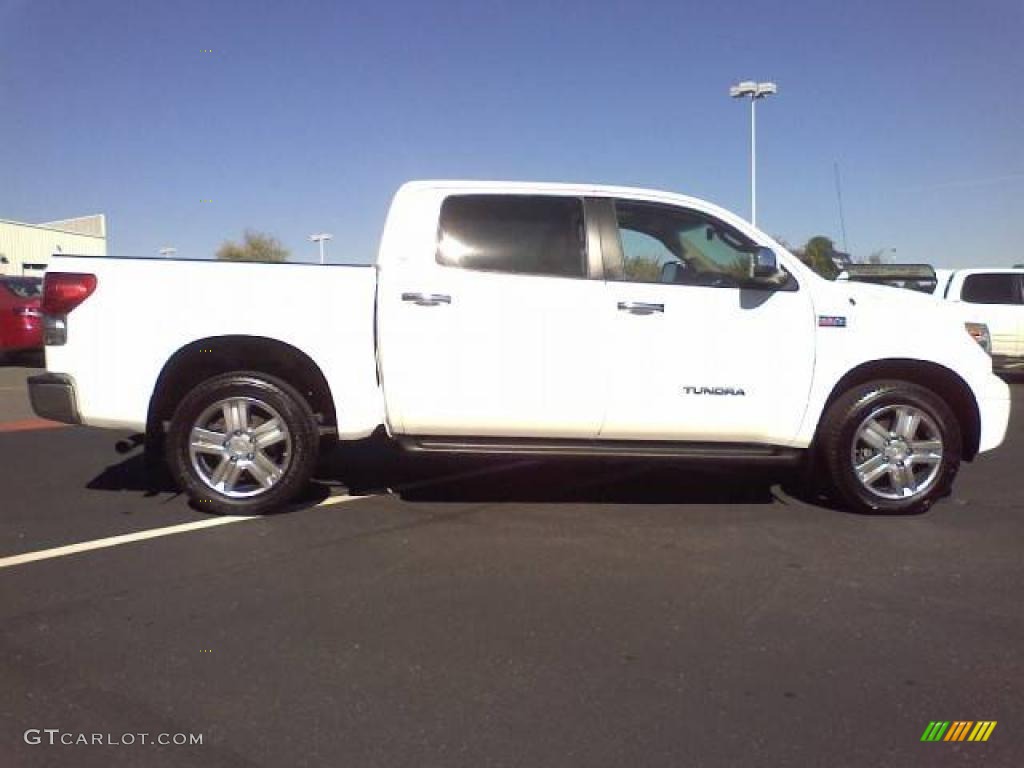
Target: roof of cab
x=541, y=187
x=581, y=189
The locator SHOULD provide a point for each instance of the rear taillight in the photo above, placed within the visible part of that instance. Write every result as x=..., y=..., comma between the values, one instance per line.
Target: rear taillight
x=63, y=291
x=27, y=312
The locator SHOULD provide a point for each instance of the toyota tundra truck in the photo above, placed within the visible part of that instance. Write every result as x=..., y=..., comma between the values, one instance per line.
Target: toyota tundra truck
x=523, y=319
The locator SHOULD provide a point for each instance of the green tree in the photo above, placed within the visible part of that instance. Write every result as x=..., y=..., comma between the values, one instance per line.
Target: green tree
x=255, y=246
x=643, y=268
x=818, y=253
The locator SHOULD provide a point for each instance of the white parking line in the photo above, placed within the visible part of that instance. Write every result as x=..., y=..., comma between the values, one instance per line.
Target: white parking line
x=152, y=533
x=170, y=530
x=113, y=541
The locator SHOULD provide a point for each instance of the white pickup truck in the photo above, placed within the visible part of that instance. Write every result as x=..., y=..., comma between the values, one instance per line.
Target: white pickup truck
x=994, y=297
x=514, y=318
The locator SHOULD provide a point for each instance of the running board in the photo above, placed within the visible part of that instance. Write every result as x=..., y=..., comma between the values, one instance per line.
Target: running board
x=750, y=453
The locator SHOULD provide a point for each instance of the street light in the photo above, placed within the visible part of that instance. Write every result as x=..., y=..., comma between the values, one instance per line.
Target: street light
x=755, y=91
x=167, y=252
x=320, y=238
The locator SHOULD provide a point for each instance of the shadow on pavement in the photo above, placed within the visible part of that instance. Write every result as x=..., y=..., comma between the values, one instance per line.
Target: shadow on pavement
x=149, y=477
x=377, y=465
x=133, y=474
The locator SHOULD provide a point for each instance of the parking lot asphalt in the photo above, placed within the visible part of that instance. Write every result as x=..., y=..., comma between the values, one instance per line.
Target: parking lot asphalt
x=434, y=612
x=13, y=399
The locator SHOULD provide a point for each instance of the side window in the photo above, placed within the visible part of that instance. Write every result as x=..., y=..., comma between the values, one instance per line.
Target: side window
x=532, y=235
x=991, y=289
x=644, y=256
x=662, y=244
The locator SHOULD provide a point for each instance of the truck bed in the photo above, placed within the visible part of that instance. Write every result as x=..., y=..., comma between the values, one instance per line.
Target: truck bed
x=146, y=309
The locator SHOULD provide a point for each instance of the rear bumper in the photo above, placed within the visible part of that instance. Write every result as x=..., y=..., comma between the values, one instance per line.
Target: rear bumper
x=53, y=397
x=994, y=410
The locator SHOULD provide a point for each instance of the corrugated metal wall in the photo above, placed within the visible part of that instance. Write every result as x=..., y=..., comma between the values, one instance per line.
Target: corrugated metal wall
x=23, y=244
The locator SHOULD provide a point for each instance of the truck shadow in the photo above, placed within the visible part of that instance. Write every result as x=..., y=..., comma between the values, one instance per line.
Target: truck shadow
x=376, y=465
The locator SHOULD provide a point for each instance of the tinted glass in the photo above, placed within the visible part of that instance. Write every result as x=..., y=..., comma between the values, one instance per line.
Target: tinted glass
x=674, y=245
x=23, y=287
x=991, y=289
x=535, y=235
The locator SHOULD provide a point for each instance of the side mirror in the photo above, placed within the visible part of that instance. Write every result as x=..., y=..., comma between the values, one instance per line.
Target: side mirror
x=763, y=264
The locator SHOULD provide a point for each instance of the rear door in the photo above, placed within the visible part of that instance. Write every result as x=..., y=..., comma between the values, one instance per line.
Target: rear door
x=999, y=304
x=494, y=334
x=697, y=353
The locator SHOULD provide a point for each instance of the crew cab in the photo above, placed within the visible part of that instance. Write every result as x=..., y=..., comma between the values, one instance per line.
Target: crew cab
x=526, y=319
x=994, y=297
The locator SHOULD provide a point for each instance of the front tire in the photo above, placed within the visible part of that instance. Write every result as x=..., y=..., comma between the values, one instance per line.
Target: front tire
x=891, y=447
x=242, y=443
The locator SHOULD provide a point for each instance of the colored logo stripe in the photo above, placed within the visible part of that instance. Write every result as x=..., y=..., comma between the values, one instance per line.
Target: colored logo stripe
x=982, y=731
x=958, y=730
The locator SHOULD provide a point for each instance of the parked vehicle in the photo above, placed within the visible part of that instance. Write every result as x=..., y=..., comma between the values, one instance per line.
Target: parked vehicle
x=913, y=277
x=21, y=325
x=514, y=318
x=994, y=297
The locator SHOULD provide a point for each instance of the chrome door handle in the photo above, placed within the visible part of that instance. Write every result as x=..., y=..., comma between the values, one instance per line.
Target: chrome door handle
x=427, y=299
x=640, y=307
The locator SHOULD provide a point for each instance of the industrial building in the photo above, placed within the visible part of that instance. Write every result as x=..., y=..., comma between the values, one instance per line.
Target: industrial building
x=25, y=249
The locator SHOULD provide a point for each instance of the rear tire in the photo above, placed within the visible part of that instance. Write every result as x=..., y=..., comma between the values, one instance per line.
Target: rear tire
x=891, y=447
x=242, y=443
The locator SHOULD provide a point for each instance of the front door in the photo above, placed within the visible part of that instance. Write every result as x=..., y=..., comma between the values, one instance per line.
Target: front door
x=699, y=352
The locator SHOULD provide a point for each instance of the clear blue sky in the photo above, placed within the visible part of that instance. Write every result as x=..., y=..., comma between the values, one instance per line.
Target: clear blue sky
x=307, y=115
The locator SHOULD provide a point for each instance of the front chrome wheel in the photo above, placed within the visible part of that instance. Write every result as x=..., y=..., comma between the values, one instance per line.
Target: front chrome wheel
x=240, y=447
x=897, y=452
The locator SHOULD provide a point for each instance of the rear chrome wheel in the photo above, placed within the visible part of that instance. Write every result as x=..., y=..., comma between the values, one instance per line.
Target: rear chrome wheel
x=242, y=443
x=240, y=447
x=897, y=452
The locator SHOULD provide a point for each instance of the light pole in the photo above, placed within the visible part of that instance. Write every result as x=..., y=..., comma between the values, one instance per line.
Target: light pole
x=320, y=238
x=167, y=252
x=755, y=91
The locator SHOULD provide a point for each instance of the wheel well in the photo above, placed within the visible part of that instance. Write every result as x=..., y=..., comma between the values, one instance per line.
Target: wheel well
x=212, y=356
x=932, y=376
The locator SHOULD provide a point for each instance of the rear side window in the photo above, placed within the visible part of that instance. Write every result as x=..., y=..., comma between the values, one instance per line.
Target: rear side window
x=530, y=235
x=992, y=289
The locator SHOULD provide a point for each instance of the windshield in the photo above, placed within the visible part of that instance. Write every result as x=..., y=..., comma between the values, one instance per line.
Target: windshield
x=23, y=287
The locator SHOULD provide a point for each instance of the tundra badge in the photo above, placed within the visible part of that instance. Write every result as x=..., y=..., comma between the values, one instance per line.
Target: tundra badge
x=713, y=391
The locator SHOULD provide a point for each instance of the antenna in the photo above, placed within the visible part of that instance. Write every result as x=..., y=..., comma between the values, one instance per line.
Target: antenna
x=839, y=197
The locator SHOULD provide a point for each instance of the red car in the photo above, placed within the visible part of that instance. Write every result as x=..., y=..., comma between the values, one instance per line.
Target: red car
x=21, y=321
